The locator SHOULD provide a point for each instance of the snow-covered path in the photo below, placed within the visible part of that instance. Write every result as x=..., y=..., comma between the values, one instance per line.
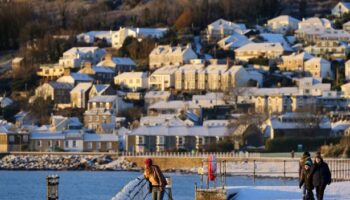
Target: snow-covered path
x=335, y=191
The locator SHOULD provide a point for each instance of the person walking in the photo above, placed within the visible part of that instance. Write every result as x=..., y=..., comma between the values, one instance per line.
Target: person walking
x=306, y=157
x=321, y=176
x=156, y=179
x=306, y=180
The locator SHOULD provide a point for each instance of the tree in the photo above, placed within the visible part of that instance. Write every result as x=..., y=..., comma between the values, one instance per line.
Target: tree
x=41, y=109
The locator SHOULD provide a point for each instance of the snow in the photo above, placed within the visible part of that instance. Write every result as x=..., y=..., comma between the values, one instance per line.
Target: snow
x=335, y=191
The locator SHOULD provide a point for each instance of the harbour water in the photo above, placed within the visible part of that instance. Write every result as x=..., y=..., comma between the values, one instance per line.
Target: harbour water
x=97, y=185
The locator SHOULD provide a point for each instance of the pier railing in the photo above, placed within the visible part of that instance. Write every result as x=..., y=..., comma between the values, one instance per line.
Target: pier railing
x=136, y=189
x=281, y=168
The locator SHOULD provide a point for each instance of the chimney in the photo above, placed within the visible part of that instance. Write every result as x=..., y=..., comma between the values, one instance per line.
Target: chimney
x=108, y=56
x=66, y=72
x=87, y=65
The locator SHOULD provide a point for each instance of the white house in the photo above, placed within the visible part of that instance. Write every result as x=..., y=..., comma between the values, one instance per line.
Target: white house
x=315, y=22
x=74, y=57
x=276, y=38
x=75, y=78
x=80, y=94
x=118, y=64
x=282, y=24
x=209, y=100
x=163, y=78
x=318, y=67
x=233, y=41
x=119, y=36
x=74, y=141
x=132, y=80
x=168, y=55
x=222, y=28
x=341, y=8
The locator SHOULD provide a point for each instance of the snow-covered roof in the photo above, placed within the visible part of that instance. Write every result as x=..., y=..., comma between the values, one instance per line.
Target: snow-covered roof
x=209, y=96
x=79, y=50
x=157, y=94
x=269, y=91
x=215, y=69
x=100, y=88
x=164, y=120
x=170, y=50
x=200, y=131
x=104, y=98
x=283, y=18
x=100, y=138
x=276, y=38
x=166, y=70
x=47, y=136
x=303, y=56
x=234, y=41
x=315, y=22
x=59, y=85
x=297, y=121
x=75, y=77
x=174, y=105
x=266, y=46
x=103, y=69
x=224, y=24
x=317, y=60
x=191, y=68
x=123, y=61
x=81, y=87
x=132, y=75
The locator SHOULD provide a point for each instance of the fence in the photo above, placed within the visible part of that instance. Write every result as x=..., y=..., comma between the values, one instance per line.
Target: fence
x=282, y=168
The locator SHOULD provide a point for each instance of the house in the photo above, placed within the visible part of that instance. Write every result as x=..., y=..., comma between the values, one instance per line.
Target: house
x=79, y=95
x=50, y=71
x=346, y=26
x=245, y=135
x=298, y=125
x=221, y=28
x=102, y=110
x=294, y=62
x=318, y=68
x=187, y=76
x=58, y=92
x=168, y=55
x=61, y=123
x=347, y=70
x=153, y=97
x=74, y=140
x=75, y=78
x=46, y=141
x=163, y=78
x=236, y=76
x=132, y=80
x=101, y=143
x=92, y=36
x=282, y=24
x=174, y=137
x=315, y=22
x=331, y=50
x=13, y=140
x=101, y=75
x=101, y=90
x=341, y=8
x=118, y=64
x=209, y=100
x=256, y=50
x=119, y=36
x=314, y=35
x=76, y=56
x=233, y=41
x=5, y=101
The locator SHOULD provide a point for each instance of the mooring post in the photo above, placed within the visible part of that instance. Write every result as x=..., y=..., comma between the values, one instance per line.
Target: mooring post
x=254, y=171
x=52, y=182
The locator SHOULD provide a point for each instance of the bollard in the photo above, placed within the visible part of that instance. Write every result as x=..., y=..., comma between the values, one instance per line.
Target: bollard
x=52, y=187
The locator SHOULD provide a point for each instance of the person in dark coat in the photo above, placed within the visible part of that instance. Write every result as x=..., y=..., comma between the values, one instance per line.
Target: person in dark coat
x=306, y=180
x=321, y=176
x=306, y=157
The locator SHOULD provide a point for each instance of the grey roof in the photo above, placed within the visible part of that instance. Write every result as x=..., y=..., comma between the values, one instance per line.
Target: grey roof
x=58, y=85
x=104, y=98
x=47, y=136
x=100, y=138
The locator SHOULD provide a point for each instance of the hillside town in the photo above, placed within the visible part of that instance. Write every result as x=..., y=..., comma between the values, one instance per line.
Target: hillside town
x=229, y=87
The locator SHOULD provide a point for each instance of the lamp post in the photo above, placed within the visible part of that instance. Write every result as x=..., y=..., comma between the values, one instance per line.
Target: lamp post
x=52, y=187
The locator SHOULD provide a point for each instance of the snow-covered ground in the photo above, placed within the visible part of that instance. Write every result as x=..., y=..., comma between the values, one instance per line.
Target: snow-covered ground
x=335, y=191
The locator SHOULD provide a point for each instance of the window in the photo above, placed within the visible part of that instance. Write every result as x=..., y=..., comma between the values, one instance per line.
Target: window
x=66, y=144
x=98, y=145
x=90, y=145
x=25, y=138
x=49, y=143
x=109, y=145
x=57, y=143
x=38, y=143
x=74, y=143
x=12, y=138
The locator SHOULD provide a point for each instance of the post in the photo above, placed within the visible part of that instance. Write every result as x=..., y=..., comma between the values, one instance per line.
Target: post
x=284, y=171
x=52, y=187
x=254, y=172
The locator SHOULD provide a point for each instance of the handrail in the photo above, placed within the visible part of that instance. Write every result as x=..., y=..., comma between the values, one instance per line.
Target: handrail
x=136, y=189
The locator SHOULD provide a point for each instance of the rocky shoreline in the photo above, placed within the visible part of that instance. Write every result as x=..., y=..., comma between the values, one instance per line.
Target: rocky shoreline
x=66, y=162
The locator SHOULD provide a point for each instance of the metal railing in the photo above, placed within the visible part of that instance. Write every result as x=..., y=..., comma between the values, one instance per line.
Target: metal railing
x=137, y=189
